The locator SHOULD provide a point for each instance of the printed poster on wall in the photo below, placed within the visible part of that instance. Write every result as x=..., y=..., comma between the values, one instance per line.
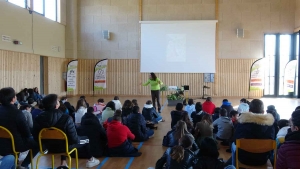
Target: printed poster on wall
x=71, y=75
x=257, y=72
x=289, y=76
x=100, y=75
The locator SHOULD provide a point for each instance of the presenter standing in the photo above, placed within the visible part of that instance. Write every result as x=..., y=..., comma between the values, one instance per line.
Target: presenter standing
x=155, y=88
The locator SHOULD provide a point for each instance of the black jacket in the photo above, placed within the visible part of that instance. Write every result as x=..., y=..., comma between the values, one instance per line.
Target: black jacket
x=71, y=110
x=170, y=141
x=14, y=120
x=91, y=127
x=137, y=125
x=197, y=117
x=254, y=126
x=176, y=116
x=126, y=112
x=208, y=163
x=60, y=120
x=187, y=162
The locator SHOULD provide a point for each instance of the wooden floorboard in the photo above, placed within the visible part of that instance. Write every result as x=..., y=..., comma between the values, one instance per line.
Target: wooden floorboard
x=152, y=149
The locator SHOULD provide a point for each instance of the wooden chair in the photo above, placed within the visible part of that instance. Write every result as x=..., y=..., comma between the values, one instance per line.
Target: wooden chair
x=256, y=146
x=53, y=133
x=6, y=134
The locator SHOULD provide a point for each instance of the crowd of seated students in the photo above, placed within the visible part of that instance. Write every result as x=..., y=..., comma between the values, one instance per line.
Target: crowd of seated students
x=111, y=130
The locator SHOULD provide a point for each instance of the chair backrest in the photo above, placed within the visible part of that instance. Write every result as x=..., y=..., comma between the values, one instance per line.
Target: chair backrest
x=256, y=146
x=5, y=133
x=52, y=133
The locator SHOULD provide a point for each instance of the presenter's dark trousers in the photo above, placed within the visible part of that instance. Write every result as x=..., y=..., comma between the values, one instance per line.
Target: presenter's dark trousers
x=155, y=95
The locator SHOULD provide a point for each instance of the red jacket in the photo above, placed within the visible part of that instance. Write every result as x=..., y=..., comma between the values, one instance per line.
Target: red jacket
x=289, y=152
x=117, y=134
x=208, y=107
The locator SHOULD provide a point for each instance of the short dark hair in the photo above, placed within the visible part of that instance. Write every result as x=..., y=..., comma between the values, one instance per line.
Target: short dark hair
x=217, y=110
x=233, y=113
x=186, y=141
x=208, y=148
x=190, y=102
x=283, y=123
x=256, y=106
x=118, y=115
x=116, y=98
x=296, y=118
x=198, y=106
x=208, y=99
x=101, y=100
x=82, y=97
x=50, y=101
x=90, y=110
x=225, y=100
x=223, y=112
x=297, y=108
x=149, y=102
x=134, y=102
x=135, y=109
x=179, y=106
x=23, y=107
x=7, y=95
x=243, y=100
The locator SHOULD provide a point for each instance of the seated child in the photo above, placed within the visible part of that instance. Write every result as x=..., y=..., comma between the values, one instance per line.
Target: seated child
x=225, y=127
x=179, y=156
x=190, y=108
x=134, y=102
x=150, y=114
x=98, y=107
x=234, y=115
x=118, y=104
x=197, y=115
x=118, y=136
x=284, y=126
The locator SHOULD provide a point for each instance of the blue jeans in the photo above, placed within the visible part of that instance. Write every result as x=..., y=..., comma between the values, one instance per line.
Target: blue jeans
x=7, y=162
x=158, y=117
x=150, y=133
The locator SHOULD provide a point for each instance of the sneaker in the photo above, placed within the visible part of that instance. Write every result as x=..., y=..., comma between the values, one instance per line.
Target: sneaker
x=92, y=163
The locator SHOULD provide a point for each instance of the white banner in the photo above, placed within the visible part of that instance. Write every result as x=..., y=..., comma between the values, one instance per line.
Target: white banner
x=100, y=75
x=257, y=73
x=71, y=75
x=289, y=76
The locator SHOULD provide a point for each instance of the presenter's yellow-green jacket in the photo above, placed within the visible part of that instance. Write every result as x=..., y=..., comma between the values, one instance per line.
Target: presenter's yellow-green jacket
x=155, y=84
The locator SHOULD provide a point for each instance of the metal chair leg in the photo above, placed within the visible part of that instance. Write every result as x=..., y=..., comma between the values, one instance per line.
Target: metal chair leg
x=52, y=161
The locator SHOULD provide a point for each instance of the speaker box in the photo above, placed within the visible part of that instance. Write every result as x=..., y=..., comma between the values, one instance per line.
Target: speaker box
x=186, y=87
x=240, y=33
x=106, y=34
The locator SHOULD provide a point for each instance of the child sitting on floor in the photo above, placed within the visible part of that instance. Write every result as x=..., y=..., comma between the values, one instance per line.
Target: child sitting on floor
x=225, y=127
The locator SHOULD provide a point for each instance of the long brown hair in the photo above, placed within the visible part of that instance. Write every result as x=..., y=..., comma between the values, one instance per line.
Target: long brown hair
x=207, y=117
x=80, y=103
x=153, y=76
x=185, y=117
x=178, y=151
x=181, y=130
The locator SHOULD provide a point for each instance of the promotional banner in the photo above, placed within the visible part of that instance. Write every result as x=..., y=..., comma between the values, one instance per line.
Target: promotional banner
x=100, y=75
x=257, y=73
x=289, y=76
x=71, y=75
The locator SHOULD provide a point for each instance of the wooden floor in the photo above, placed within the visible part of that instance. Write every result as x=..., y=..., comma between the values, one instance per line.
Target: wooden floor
x=152, y=149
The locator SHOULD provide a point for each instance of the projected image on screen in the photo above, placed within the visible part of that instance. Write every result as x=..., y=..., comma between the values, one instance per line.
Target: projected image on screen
x=176, y=48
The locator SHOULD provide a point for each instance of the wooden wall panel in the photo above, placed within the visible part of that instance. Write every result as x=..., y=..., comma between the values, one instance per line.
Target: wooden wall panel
x=124, y=78
x=56, y=83
x=19, y=70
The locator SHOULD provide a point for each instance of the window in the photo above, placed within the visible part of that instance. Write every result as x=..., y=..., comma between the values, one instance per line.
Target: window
x=20, y=3
x=48, y=8
x=38, y=6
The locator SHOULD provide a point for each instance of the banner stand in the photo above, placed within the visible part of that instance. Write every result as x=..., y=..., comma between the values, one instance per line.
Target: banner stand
x=250, y=76
x=99, y=78
x=71, y=76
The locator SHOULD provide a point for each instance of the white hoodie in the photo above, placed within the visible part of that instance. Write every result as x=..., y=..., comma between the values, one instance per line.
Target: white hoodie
x=243, y=107
x=283, y=131
x=118, y=104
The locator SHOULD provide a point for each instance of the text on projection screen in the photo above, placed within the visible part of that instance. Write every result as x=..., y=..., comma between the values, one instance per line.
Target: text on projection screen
x=178, y=46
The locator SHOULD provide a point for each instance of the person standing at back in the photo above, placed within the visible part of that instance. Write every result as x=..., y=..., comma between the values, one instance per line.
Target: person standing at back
x=155, y=83
x=208, y=106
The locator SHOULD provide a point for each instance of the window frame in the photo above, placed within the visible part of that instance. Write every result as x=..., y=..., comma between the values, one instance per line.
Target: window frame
x=31, y=7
